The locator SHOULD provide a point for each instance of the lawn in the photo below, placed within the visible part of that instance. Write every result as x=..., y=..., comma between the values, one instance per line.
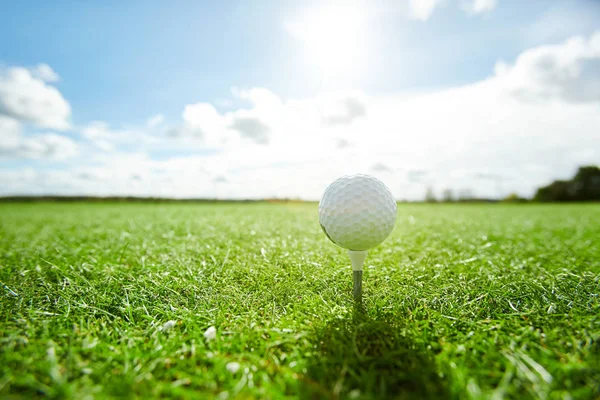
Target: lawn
x=462, y=301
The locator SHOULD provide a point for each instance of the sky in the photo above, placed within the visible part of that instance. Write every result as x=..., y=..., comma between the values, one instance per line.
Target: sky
x=255, y=99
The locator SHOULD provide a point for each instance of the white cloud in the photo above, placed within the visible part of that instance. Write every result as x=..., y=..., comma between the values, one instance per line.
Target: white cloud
x=48, y=145
x=14, y=144
x=569, y=71
x=260, y=97
x=343, y=143
x=203, y=121
x=155, y=121
x=252, y=128
x=117, y=174
x=513, y=131
x=479, y=6
x=99, y=133
x=423, y=9
x=105, y=138
x=45, y=73
x=10, y=131
x=341, y=108
x=380, y=168
x=451, y=137
x=96, y=130
x=269, y=118
x=25, y=96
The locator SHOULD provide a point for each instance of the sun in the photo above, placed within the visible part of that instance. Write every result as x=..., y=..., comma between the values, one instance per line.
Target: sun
x=333, y=37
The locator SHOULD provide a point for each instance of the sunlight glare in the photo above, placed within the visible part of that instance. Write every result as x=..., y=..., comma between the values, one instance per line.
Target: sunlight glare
x=333, y=37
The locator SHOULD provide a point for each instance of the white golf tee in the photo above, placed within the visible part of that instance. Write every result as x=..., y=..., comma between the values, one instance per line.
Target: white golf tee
x=358, y=259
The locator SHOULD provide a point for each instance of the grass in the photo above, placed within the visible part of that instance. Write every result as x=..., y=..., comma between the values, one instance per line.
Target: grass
x=462, y=301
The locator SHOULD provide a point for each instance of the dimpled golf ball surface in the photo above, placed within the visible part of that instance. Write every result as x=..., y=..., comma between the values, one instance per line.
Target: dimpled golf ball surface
x=357, y=212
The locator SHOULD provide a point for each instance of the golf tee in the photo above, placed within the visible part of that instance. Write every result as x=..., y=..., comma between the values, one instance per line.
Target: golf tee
x=358, y=259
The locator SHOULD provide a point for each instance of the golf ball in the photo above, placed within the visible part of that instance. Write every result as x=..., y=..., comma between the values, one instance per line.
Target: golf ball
x=357, y=212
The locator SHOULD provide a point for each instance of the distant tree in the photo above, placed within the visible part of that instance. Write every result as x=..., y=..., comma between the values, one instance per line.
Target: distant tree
x=430, y=195
x=465, y=195
x=556, y=191
x=514, y=198
x=448, y=196
x=586, y=183
x=585, y=186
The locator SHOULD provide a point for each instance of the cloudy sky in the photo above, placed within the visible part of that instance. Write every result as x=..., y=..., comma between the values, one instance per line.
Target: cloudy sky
x=241, y=99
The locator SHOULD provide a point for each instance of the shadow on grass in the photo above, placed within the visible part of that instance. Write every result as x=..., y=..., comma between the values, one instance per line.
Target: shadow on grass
x=360, y=357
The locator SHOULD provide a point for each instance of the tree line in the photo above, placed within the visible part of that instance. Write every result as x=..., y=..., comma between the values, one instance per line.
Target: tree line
x=584, y=186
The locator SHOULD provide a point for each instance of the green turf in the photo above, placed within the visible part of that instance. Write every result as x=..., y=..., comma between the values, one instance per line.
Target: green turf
x=463, y=301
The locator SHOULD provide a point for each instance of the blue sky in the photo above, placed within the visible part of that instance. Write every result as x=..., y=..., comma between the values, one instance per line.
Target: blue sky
x=121, y=63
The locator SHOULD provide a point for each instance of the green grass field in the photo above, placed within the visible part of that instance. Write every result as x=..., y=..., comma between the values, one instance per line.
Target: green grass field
x=462, y=301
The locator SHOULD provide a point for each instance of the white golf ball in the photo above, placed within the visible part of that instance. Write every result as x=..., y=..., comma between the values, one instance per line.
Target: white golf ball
x=357, y=212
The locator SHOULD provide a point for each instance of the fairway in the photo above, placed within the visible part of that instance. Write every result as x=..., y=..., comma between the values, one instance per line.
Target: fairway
x=462, y=301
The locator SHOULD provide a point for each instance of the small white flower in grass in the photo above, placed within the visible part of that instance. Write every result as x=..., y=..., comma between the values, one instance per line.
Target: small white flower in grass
x=210, y=333
x=168, y=325
x=233, y=367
